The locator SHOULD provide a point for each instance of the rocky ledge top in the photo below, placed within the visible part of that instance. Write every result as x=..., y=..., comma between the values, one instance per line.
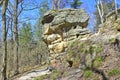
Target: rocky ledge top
x=66, y=16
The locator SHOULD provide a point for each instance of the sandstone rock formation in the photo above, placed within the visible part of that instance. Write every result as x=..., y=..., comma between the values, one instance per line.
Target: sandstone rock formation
x=62, y=26
x=91, y=57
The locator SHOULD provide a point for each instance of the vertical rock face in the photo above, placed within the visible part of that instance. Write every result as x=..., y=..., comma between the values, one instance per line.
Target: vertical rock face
x=63, y=25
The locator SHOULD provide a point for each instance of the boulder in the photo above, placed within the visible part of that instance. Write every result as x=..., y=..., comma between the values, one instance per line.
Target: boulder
x=54, y=38
x=47, y=29
x=59, y=47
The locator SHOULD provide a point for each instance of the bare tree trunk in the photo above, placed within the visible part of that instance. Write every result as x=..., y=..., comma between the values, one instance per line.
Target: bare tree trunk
x=53, y=5
x=4, y=41
x=116, y=12
x=100, y=10
x=56, y=4
x=15, y=33
x=11, y=28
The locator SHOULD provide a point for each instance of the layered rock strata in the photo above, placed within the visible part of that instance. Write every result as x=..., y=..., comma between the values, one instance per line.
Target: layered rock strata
x=63, y=26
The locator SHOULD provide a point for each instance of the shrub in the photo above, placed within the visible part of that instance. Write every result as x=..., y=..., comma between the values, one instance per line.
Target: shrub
x=99, y=48
x=113, y=72
x=55, y=74
x=112, y=40
x=36, y=78
x=41, y=77
x=91, y=49
x=88, y=73
x=98, y=61
x=72, y=44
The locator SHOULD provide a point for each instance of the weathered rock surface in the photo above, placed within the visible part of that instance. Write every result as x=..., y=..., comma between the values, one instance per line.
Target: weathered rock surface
x=64, y=17
x=61, y=26
x=32, y=75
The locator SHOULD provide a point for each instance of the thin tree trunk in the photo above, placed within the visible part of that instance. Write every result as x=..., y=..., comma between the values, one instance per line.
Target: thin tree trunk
x=58, y=4
x=116, y=12
x=4, y=41
x=16, y=66
x=11, y=28
x=100, y=10
x=53, y=5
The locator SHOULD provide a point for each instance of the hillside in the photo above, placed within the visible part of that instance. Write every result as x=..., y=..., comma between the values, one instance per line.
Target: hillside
x=76, y=53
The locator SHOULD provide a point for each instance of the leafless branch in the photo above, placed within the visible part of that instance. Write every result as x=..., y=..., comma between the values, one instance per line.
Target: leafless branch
x=31, y=8
x=31, y=4
x=112, y=12
x=9, y=17
x=11, y=4
x=25, y=20
x=21, y=5
x=9, y=12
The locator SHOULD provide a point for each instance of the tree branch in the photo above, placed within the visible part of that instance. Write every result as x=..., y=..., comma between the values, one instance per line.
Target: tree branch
x=31, y=8
x=112, y=12
x=21, y=8
x=11, y=4
x=1, y=1
x=9, y=12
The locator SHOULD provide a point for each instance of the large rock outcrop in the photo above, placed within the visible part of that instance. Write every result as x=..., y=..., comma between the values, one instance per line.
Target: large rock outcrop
x=62, y=26
x=91, y=57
